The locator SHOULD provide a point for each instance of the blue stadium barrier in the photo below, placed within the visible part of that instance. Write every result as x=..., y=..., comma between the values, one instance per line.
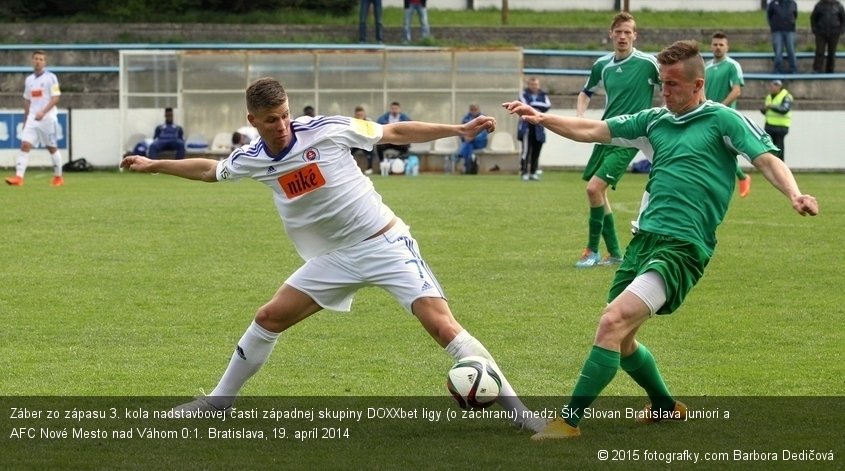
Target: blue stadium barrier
x=735, y=55
x=292, y=46
x=706, y=55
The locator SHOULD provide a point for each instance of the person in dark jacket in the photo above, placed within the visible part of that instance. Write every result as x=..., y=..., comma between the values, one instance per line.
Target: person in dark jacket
x=827, y=22
x=167, y=136
x=532, y=136
x=782, y=15
x=469, y=145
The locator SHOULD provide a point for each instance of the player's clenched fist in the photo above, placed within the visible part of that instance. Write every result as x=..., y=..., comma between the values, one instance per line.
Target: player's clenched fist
x=806, y=205
x=136, y=163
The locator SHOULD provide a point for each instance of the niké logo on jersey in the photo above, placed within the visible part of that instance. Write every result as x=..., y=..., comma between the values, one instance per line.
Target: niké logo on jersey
x=302, y=181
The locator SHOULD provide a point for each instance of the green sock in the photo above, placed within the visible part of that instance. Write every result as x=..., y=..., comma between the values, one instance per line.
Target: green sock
x=641, y=366
x=608, y=231
x=595, y=224
x=599, y=368
x=740, y=175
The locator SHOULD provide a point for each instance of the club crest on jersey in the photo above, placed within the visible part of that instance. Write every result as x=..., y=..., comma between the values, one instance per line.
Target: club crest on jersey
x=311, y=154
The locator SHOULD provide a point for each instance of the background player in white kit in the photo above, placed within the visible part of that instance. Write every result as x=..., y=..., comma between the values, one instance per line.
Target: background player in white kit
x=340, y=227
x=41, y=125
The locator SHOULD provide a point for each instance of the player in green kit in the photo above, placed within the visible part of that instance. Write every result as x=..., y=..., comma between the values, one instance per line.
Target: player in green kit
x=694, y=144
x=723, y=83
x=628, y=77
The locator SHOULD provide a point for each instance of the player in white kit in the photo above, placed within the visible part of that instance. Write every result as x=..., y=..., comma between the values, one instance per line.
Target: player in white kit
x=41, y=124
x=340, y=227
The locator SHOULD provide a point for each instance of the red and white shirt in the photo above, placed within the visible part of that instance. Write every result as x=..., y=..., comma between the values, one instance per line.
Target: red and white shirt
x=39, y=89
x=324, y=200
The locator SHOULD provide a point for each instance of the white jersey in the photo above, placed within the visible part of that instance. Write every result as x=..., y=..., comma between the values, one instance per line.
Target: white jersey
x=39, y=89
x=324, y=200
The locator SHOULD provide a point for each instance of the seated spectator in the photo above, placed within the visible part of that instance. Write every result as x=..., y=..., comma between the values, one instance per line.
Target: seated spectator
x=238, y=140
x=309, y=111
x=468, y=146
x=167, y=137
x=243, y=136
x=395, y=115
x=361, y=113
x=249, y=133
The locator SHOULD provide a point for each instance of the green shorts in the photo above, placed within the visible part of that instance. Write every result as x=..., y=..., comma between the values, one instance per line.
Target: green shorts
x=680, y=264
x=609, y=163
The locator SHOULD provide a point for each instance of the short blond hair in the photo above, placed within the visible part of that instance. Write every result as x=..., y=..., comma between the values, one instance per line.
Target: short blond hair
x=623, y=17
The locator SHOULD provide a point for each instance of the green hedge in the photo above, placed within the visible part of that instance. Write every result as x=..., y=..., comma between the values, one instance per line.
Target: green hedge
x=141, y=10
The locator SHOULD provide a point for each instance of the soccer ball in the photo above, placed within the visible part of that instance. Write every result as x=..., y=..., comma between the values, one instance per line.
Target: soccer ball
x=474, y=383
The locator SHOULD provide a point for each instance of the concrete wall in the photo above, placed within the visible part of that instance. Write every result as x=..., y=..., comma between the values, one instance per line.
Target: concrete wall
x=810, y=145
x=633, y=5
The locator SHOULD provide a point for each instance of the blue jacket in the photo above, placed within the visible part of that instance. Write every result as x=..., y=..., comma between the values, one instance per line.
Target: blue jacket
x=539, y=102
x=782, y=15
x=385, y=118
x=480, y=139
x=168, y=132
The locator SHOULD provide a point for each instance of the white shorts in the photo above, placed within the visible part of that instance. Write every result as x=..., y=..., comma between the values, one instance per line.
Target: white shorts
x=391, y=261
x=44, y=132
x=650, y=288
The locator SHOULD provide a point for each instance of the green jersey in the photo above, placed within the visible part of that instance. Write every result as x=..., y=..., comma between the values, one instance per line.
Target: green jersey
x=720, y=77
x=629, y=83
x=693, y=165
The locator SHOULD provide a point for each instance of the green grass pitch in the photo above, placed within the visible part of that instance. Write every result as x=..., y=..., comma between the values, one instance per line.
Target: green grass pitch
x=140, y=285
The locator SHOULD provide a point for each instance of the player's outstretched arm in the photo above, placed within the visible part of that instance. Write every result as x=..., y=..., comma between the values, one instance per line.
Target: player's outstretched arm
x=779, y=175
x=406, y=132
x=192, y=169
x=576, y=129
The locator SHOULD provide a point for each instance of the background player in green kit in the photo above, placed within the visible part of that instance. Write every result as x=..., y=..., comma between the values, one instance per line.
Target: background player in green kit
x=723, y=83
x=628, y=77
x=694, y=146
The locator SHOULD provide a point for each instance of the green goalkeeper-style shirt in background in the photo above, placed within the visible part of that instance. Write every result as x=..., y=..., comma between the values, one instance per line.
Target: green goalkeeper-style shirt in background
x=720, y=77
x=629, y=83
x=693, y=165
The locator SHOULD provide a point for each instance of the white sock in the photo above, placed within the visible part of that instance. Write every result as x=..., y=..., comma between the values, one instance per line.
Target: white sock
x=20, y=166
x=57, y=163
x=251, y=353
x=465, y=345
